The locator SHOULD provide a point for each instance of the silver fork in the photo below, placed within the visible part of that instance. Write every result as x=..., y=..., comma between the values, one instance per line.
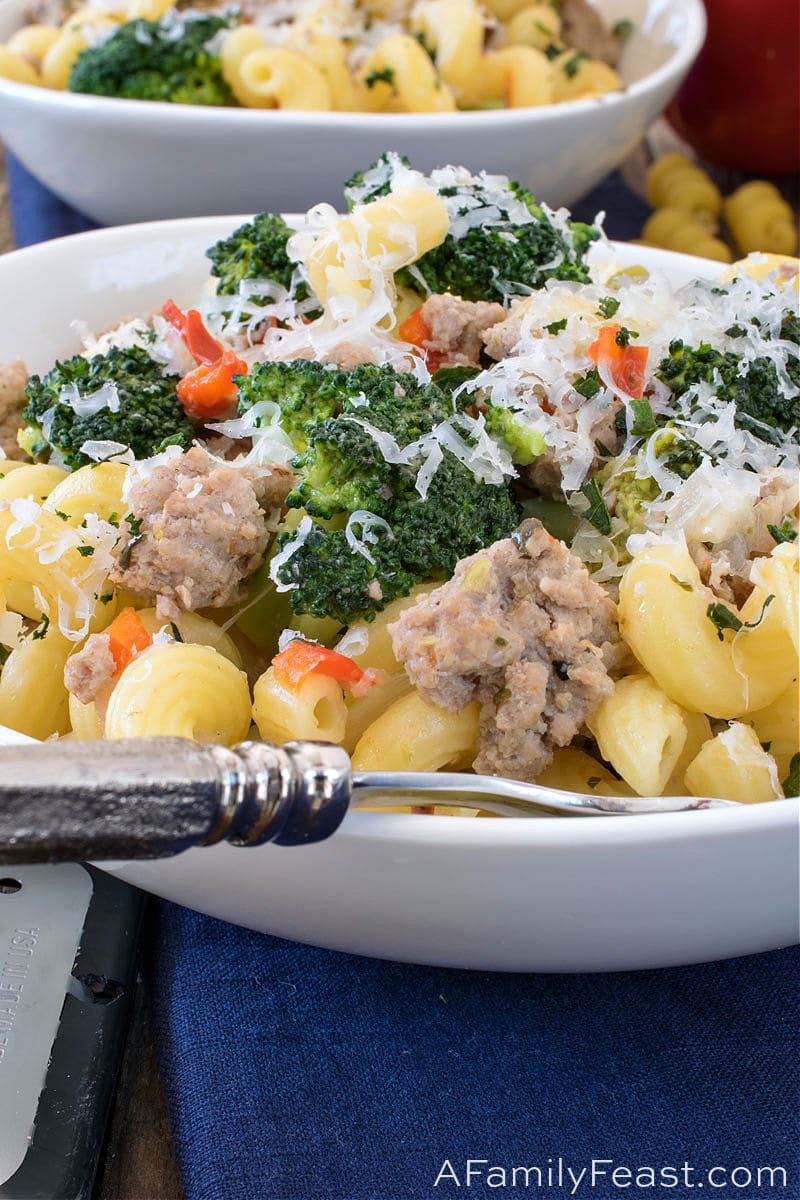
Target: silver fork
x=154, y=797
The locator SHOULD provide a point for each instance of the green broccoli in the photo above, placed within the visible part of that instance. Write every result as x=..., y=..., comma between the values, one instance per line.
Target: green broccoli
x=343, y=468
x=166, y=60
x=515, y=244
x=344, y=471
x=524, y=443
x=754, y=387
x=618, y=484
x=150, y=415
x=256, y=250
x=305, y=391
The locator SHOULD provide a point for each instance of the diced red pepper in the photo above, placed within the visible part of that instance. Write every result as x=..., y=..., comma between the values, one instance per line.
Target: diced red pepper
x=301, y=659
x=416, y=331
x=209, y=390
x=199, y=342
x=625, y=364
x=127, y=637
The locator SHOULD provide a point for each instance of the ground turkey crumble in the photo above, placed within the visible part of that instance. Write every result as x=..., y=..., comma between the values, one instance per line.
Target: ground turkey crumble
x=13, y=377
x=523, y=628
x=202, y=531
x=457, y=327
x=90, y=670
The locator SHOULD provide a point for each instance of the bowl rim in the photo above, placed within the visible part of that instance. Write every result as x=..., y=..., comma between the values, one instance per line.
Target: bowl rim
x=678, y=62
x=430, y=829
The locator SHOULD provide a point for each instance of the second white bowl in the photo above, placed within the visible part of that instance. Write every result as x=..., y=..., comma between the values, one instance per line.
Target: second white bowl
x=131, y=160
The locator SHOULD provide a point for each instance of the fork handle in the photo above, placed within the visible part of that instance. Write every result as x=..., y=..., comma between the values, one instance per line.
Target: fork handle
x=154, y=797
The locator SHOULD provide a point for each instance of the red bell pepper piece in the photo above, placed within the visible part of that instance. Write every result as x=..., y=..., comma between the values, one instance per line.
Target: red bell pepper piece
x=625, y=364
x=209, y=390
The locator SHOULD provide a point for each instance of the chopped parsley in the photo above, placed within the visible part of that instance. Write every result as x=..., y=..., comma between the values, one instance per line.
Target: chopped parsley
x=722, y=617
x=622, y=30
x=556, y=326
x=176, y=633
x=429, y=50
x=4, y=653
x=573, y=64
x=86, y=551
x=791, y=784
x=61, y=515
x=597, y=513
x=135, y=526
x=607, y=307
x=686, y=587
x=643, y=420
x=588, y=385
x=106, y=597
x=623, y=336
x=42, y=628
x=785, y=532
x=386, y=75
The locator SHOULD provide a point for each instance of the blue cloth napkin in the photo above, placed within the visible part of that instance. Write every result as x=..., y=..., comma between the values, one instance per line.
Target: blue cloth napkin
x=300, y=1074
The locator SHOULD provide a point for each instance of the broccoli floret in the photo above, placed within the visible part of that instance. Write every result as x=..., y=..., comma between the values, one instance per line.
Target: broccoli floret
x=256, y=250
x=517, y=245
x=150, y=415
x=157, y=60
x=524, y=443
x=329, y=580
x=631, y=493
x=344, y=470
x=306, y=392
x=754, y=387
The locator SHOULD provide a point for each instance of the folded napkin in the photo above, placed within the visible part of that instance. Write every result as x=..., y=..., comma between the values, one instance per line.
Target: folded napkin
x=300, y=1074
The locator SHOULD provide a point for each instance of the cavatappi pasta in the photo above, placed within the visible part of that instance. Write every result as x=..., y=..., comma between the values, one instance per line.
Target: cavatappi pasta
x=329, y=55
x=548, y=532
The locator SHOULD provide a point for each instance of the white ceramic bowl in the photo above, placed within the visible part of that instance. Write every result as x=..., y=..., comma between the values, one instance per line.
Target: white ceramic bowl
x=557, y=894
x=124, y=160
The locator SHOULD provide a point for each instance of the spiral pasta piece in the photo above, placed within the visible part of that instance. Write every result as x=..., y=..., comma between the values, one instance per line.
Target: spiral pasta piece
x=760, y=219
x=663, y=614
x=33, y=699
x=778, y=725
x=235, y=45
x=395, y=230
x=574, y=770
x=398, y=76
x=94, y=489
x=273, y=77
x=537, y=25
x=674, y=229
x=16, y=67
x=641, y=732
x=34, y=480
x=734, y=766
x=180, y=690
x=676, y=183
x=329, y=56
x=315, y=710
x=519, y=75
x=576, y=78
x=453, y=29
x=412, y=735
x=32, y=43
x=60, y=58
